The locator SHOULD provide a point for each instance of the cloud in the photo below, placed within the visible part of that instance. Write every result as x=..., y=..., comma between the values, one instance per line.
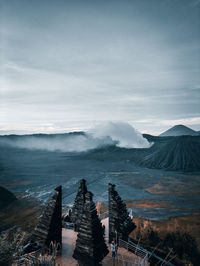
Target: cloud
x=123, y=133
x=67, y=63
x=186, y=121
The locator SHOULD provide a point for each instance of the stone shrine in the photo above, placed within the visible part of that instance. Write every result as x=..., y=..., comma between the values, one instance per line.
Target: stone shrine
x=49, y=227
x=90, y=245
x=79, y=204
x=120, y=223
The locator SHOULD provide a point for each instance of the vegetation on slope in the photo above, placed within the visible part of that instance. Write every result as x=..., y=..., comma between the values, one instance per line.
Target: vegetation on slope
x=179, y=245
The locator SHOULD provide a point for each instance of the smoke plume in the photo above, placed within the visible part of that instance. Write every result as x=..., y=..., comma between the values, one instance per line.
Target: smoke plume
x=119, y=134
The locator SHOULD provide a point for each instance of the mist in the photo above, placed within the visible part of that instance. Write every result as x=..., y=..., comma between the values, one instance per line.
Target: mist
x=120, y=134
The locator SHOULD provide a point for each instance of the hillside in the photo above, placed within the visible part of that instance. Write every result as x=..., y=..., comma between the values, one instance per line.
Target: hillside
x=178, y=153
x=21, y=212
x=179, y=130
x=6, y=197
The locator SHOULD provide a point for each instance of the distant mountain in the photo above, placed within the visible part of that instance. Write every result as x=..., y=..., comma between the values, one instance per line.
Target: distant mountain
x=177, y=153
x=179, y=130
x=6, y=197
x=181, y=153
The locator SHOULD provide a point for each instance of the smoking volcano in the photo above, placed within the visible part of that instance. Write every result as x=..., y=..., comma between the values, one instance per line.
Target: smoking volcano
x=119, y=134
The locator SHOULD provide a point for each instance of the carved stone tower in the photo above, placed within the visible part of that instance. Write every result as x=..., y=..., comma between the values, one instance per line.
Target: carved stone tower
x=90, y=245
x=120, y=224
x=79, y=204
x=49, y=227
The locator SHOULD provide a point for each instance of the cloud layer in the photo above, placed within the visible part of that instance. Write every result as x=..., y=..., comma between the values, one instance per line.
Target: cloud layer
x=69, y=61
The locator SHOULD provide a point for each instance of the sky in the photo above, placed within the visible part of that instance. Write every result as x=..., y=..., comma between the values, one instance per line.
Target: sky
x=69, y=65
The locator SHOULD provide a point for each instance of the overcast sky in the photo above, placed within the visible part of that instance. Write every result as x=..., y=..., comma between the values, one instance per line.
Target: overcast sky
x=66, y=65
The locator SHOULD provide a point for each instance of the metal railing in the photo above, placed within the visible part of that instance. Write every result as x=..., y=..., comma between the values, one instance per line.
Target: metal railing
x=143, y=253
x=133, y=248
x=137, y=249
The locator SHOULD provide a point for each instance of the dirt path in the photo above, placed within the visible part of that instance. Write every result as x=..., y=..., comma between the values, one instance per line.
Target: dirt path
x=69, y=241
x=68, y=245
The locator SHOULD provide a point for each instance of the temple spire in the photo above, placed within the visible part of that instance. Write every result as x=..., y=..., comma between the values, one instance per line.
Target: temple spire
x=120, y=223
x=79, y=204
x=49, y=227
x=90, y=245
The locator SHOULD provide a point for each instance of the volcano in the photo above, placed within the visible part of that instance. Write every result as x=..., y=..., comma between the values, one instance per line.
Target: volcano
x=179, y=130
x=177, y=153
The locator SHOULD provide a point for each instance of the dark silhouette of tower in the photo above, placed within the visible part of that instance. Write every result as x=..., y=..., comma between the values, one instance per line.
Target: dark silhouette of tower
x=120, y=223
x=49, y=227
x=90, y=245
x=79, y=204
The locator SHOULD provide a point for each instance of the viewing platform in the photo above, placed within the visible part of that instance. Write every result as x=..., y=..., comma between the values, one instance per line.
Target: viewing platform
x=123, y=257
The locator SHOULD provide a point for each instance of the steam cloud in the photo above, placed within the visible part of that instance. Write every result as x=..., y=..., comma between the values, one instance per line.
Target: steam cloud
x=119, y=134
x=122, y=133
